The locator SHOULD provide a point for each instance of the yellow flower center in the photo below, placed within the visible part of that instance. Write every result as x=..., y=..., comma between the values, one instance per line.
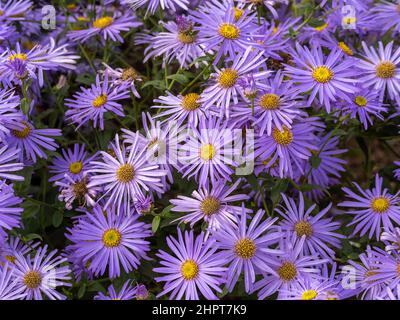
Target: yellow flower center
x=245, y=248
x=269, y=101
x=385, y=70
x=125, y=173
x=229, y=31
x=186, y=38
x=380, y=204
x=102, y=22
x=129, y=74
x=19, y=56
x=80, y=189
x=321, y=28
x=21, y=134
x=287, y=271
x=10, y=258
x=309, y=295
x=227, y=78
x=238, y=13
x=100, y=101
x=360, y=101
x=303, y=228
x=189, y=269
x=210, y=205
x=190, y=101
x=111, y=238
x=207, y=152
x=345, y=48
x=32, y=279
x=284, y=137
x=75, y=167
x=322, y=74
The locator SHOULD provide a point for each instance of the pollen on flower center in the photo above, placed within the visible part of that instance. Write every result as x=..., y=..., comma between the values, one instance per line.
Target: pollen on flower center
x=303, y=228
x=80, y=189
x=75, y=167
x=111, y=238
x=210, y=205
x=100, y=101
x=245, y=248
x=227, y=78
x=207, y=152
x=190, y=101
x=125, y=173
x=284, y=137
x=322, y=74
x=380, y=204
x=21, y=134
x=186, y=37
x=238, y=13
x=32, y=279
x=269, y=101
x=19, y=56
x=189, y=269
x=360, y=101
x=229, y=31
x=10, y=258
x=309, y=295
x=287, y=271
x=102, y=22
x=385, y=70
x=345, y=48
x=129, y=74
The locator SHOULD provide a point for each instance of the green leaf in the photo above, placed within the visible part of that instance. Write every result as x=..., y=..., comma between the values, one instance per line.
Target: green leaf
x=155, y=224
x=166, y=211
x=81, y=291
x=158, y=84
x=32, y=236
x=57, y=218
x=25, y=106
x=182, y=79
x=315, y=161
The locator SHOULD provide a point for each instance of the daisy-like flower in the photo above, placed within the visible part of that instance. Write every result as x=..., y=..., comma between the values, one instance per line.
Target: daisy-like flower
x=223, y=33
x=41, y=273
x=8, y=163
x=194, y=266
x=393, y=294
x=274, y=107
x=32, y=142
x=9, y=114
x=153, y=5
x=127, y=175
x=269, y=4
x=386, y=268
x=392, y=239
x=10, y=211
x=319, y=231
x=208, y=154
x=363, y=105
x=14, y=10
x=14, y=245
x=127, y=292
x=328, y=78
x=110, y=240
x=386, y=15
x=73, y=162
x=288, y=147
x=213, y=206
x=107, y=27
x=245, y=248
x=225, y=87
x=381, y=69
x=9, y=288
x=288, y=267
x=179, y=42
x=93, y=103
x=372, y=208
x=125, y=77
x=183, y=108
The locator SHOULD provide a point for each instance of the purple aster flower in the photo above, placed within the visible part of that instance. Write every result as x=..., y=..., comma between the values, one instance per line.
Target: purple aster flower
x=288, y=147
x=225, y=87
x=10, y=211
x=109, y=240
x=32, y=142
x=214, y=206
x=127, y=175
x=319, y=232
x=73, y=162
x=141, y=292
x=391, y=238
x=288, y=267
x=321, y=35
x=153, y=5
x=107, y=27
x=39, y=275
x=386, y=15
x=391, y=294
x=386, y=268
x=269, y=4
x=125, y=77
x=14, y=246
x=93, y=103
x=223, y=33
x=208, y=153
x=372, y=208
x=127, y=292
x=143, y=204
x=14, y=10
x=194, y=266
x=246, y=248
x=9, y=288
x=331, y=78
x=9, y=114
x=8, y=163
x=380, y=69
x=397, y=171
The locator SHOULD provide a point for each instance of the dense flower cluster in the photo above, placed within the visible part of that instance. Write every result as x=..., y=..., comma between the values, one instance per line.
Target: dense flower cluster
x=205, y=149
